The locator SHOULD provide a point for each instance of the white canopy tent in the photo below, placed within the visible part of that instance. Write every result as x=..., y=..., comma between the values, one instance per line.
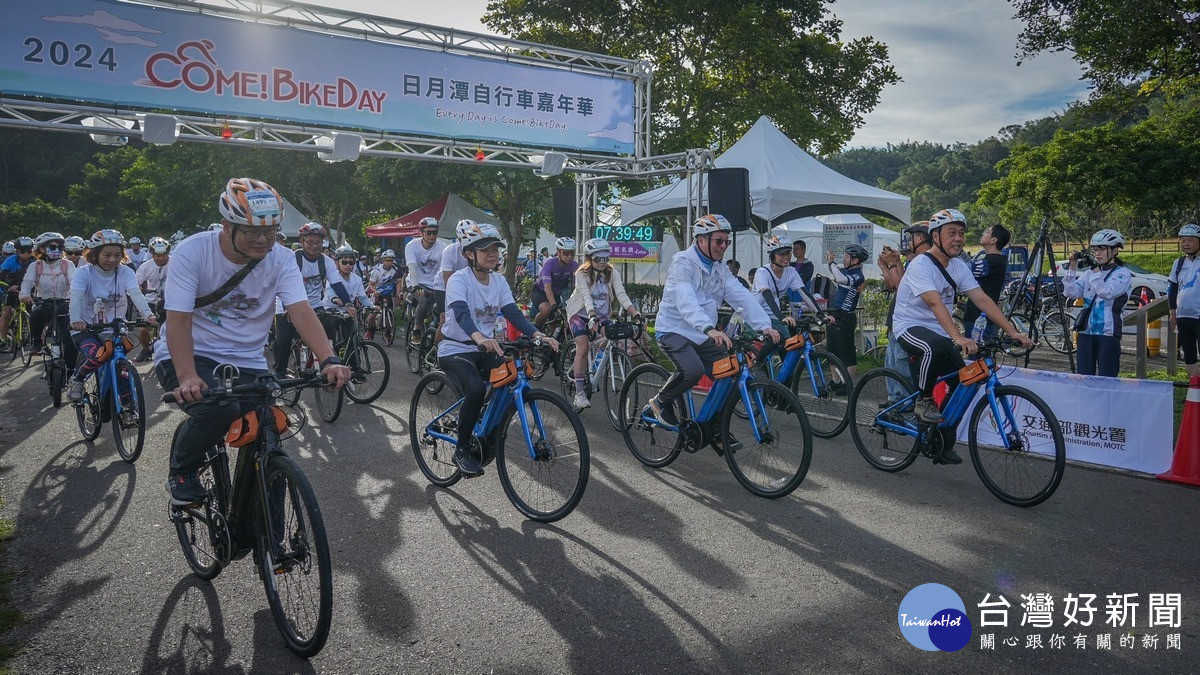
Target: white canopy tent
x=786, y=183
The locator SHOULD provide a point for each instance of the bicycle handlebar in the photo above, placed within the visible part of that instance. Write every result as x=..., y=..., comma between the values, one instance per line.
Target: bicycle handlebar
x=264, y=386
x=116, y=324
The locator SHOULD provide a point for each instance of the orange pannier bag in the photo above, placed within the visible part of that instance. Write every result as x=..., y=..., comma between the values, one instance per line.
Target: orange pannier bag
x=503, y=374
x=244, y=429
x=794, y=342
x=726, y=367
x=975, y=371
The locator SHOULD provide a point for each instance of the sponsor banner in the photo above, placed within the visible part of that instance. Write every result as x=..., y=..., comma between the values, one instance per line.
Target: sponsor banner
x=1116, y=422
x=109, y=53
x=630, y=252
x=836, y=237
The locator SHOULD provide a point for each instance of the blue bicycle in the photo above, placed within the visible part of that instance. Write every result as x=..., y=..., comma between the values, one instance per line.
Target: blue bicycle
x=547, y=481
x=819, y=379
x=1015, y=440
x=759, y=426
x=114, y=392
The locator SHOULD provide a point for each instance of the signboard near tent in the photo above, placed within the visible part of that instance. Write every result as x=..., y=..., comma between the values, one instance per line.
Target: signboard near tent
x=837, y=236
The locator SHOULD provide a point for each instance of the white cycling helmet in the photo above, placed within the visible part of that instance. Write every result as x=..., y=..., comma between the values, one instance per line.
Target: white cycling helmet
x=9, y=248
x=1108, y=238
x=246, y=201
x=1190, y=230
x=135, y=240
x=429, y=223
x=777, y=242
x=311, y=228
x=463, y=226
x=388, y=255
x=73, y=244
x=159, y=246
x=593, y=246
x=345, y=251
x=106, y=237
x=47, y=237
x=564, y=244
x=713, y=222
x=482, y=234
x=945, y=217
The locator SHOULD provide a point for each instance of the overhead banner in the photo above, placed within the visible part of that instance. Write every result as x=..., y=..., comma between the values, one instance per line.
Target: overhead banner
x=1098, y=423
x=115, y=54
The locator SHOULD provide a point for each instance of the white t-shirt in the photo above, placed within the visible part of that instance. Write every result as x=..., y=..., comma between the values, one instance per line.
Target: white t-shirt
x=424, y=265
x=484, y=301
x=599, y=291
x=314, y=283
x=1188, y=300
x=136, y=258
x=778, y=287
x=153, y=276
x=384, y=277
x=921, y=276
x=233, y=329
x=98, y=296
x=452, y=259
x=354, y=287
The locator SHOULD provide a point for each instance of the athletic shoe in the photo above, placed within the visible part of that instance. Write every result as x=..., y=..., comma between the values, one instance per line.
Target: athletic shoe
x=665, y=412
x=468, y=463
x=75, y=391
x=734, y=445
x=949, y=456
x=185, y=488
x=927, y=411
x=581, y=401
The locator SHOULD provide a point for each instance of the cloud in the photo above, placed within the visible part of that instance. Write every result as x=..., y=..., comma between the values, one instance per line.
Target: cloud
x=622, y=133
x=125, y=39
x=103, y=19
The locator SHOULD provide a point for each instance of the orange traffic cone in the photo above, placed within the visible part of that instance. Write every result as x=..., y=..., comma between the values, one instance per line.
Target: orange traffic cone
x=1186, y=466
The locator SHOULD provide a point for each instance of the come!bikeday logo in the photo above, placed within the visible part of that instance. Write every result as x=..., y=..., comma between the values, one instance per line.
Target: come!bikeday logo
x=932, y=617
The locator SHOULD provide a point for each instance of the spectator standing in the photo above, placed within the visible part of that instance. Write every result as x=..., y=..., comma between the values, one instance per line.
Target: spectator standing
x=849, y=279
x=990, y=268
x=1183, y=296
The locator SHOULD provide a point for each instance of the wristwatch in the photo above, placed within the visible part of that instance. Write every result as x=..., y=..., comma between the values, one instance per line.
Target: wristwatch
x=332, y=359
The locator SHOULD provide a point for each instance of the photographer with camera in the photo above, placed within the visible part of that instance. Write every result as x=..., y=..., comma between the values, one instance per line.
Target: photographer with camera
x=1102, y=280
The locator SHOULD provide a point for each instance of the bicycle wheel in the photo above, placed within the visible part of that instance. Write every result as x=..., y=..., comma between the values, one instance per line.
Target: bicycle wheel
x=1021, y=323
x=651, y=444
x=567, y=368
x=87, y=411
x=774, y=462
x=129, y=425
x=618, y=369
x=57, y=378
x=299, y=361
x=412, y=352
x=329, y=402
x=204, y=540
x=388, y=317
x=1028, y=471
x=1056, y=331
x=883, y=448
x=823, y=385
x=293, y=558
x=27, y=352
x=545, y=480
x=434, y=409
x=370, y=372
x=429, y=357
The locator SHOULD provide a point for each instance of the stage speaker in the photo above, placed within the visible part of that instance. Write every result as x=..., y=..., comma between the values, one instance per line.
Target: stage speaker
x=564, y=212
x=729, y=195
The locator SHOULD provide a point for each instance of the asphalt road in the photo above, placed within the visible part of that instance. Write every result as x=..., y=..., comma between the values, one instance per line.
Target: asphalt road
x=677, y=570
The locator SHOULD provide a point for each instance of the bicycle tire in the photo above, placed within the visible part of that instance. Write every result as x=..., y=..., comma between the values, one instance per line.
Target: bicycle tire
x=617, y=371
x=1056, y=331
x=772, y=467
x=87, y=411
x=329, y=402
x=130, y=434
x=197, y=540
x=652, y=445
x=429, y=357
x=435, y=394
x=412, y=353
x=370, y=364
x=545, y=482
x=57, y=379
x=883, y=448
x=389, y=325
x=567, y=368
x=994, y=463
x=299, y=355
x=27, y=352
x=293, y=557
x=824, y=393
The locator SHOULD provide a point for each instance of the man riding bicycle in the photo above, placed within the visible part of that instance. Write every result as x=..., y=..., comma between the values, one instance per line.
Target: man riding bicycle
x=552, y=285
x=220, y=305
x=386, y=284
x=151, y=276
x=316, y=271
x=12, y=273
x=923, y=323
x=346, y=259
x=697, y=284
x=424, y=259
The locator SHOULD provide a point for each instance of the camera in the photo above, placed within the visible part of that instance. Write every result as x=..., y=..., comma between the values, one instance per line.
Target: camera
x=1085, y=258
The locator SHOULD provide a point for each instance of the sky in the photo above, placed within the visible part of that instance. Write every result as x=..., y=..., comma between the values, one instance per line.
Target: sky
x=960, y=79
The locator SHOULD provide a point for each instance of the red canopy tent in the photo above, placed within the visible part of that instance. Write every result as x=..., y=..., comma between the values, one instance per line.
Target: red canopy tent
x=448, y=209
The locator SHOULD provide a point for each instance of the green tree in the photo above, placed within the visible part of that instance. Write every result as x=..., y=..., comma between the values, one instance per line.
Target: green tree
x=719, y=65
x=29, y=219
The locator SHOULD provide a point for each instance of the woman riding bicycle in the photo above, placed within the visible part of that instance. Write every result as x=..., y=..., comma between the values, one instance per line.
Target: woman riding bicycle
x=697, y=284
x=98, y=294
x=597, y=286
x=48, y=278
x=475, y=299
x=347, y=258
x=773, y=281
x=1104, y=288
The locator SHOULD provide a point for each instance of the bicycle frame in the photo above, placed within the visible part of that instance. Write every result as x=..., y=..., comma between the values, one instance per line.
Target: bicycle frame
x=107, y=374
x=717, y=396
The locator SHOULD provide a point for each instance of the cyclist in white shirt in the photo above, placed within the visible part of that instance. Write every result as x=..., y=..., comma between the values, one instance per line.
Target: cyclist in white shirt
x=317, y=270
x=136, y=254
x=346, y=258
x=477, y=299
x=1183, y=296
x=150, y=277
x=220, y=304
x=386, y=284
x=774, y=281
x=424, y=259
x=923, y=322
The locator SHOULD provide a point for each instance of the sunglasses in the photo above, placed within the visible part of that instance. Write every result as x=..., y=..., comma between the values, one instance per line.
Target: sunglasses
x=569, y=254
x=259, y=233
x=52, y=247
x=346, y=262
x=600, y=258
x=718, y=242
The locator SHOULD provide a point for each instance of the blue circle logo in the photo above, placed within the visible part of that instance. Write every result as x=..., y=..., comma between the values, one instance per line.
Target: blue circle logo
x=932, y=617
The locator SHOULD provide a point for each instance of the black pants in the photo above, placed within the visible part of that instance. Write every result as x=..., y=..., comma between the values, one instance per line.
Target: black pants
x=692, y=361
x=1189, y=337
x=840, y=341
x=207, y=421
x=285, y=335
x=468, y=372
x=1099, y=355
x=431, y=301
x=937, y=356
x=57, y=310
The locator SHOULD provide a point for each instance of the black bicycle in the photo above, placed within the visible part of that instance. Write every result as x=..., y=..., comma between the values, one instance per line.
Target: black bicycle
x=268, y=507
x=54, y=366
